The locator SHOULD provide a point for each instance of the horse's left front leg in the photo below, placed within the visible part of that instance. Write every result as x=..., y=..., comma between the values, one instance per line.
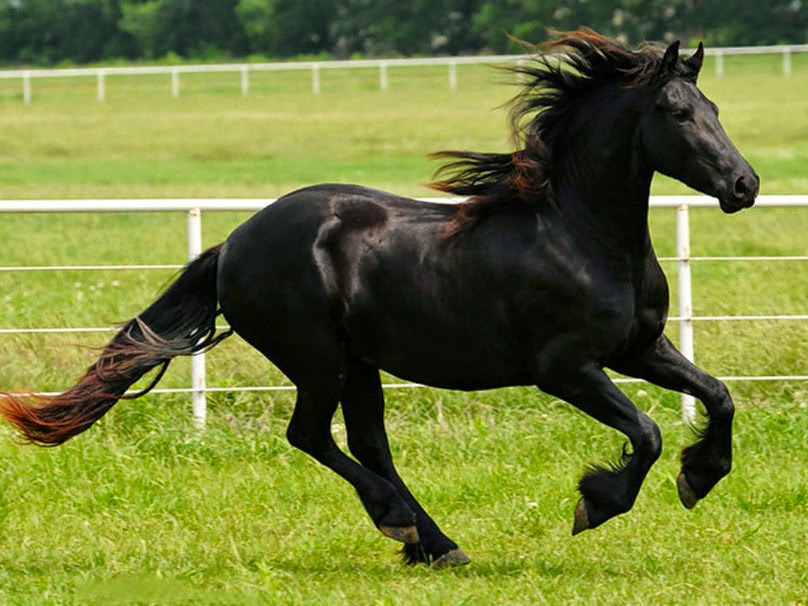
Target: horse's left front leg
x=710, y=458
x=611, y=490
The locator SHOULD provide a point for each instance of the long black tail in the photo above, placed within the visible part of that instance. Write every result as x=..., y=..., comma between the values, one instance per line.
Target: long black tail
x=180, y=322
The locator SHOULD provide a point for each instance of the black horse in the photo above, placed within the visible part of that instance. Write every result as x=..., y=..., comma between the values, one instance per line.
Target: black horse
x=545, y=276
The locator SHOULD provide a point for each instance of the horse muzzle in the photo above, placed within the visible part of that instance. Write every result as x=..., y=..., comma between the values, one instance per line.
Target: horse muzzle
x=745, y=188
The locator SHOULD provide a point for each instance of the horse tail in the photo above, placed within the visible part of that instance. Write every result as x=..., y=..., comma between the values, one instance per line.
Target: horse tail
x=180, y=322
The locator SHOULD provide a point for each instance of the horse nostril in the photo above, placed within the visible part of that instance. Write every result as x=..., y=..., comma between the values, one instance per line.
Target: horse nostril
x=740, y=186
x=744, y=187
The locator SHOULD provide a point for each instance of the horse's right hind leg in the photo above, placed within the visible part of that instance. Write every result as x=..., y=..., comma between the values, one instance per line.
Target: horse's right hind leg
x=363, y=411
x=310, y=431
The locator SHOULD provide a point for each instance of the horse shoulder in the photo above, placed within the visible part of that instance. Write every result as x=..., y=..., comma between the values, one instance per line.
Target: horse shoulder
x=606, y=303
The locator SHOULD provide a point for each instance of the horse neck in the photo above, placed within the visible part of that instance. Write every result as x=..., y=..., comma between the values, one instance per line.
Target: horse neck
x=601, y=187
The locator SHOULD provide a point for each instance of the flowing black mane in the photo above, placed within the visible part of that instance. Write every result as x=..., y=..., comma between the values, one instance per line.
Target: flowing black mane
x=564, y=70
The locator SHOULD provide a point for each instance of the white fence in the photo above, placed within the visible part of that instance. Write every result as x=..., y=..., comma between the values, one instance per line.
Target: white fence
x=243, y=70
x=195, y=207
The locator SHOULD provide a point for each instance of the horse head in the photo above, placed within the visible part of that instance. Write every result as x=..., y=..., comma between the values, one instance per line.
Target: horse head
x=682, y=137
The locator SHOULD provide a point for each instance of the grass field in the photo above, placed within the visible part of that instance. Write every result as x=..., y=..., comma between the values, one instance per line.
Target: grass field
x=144, y=510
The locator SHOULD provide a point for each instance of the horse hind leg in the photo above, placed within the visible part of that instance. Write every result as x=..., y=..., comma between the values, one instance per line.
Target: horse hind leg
x=310, y=431
x=363, y=411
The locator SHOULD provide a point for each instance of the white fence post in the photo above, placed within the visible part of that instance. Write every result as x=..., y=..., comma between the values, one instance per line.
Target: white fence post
x=719, y=62
x=26, y=87
x=245, y=80
x=102, y=91
x=175, y=83
x=452, y=74
x=383, y=76
x=685, y=301
x=786, y=61
x=198, y=401
x=315, y=79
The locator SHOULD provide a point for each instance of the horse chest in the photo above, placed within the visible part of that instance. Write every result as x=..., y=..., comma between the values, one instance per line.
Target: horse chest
x=628, y=309
x=603, y=307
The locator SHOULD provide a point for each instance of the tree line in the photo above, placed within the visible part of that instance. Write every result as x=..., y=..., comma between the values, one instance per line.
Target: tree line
x=47, y=32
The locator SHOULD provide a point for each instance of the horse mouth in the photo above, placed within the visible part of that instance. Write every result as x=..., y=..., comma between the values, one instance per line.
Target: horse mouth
x=732, y=204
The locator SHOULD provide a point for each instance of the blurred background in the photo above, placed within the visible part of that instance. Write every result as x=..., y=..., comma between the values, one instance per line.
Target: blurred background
x=47, y=32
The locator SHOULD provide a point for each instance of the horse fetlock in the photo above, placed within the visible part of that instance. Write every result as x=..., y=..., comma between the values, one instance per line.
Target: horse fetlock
x=720, y=406
x=604, y=495
x=402, y=534
x=703, y=466
x=651, y=443
x=391, y=512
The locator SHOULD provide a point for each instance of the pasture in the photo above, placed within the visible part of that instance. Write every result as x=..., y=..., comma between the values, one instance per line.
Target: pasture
x=144, y=510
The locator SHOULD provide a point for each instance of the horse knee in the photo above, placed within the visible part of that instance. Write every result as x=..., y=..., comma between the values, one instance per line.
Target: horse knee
x=719, y=403
x=649, y=440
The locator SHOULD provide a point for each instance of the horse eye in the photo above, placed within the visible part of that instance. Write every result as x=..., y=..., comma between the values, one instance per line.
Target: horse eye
x=680, y=114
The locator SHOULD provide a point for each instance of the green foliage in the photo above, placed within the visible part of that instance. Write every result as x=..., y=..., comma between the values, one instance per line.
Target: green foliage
x=185, y=27
x=284, y=28
x=54, y=31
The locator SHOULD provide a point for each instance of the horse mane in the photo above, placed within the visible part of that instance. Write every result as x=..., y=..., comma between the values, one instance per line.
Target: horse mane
x=564, y=70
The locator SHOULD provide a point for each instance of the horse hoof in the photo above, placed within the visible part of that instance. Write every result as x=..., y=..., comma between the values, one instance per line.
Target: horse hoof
x=581, y=518
x=404, y=534
x=686, y=494
x=450, y=559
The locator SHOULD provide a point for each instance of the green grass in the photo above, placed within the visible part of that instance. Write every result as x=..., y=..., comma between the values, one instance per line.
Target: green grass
x=143, y=510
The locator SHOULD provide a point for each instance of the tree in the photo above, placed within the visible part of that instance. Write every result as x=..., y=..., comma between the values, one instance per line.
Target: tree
x=288, y=27
x=185, y=27
x=50, y=31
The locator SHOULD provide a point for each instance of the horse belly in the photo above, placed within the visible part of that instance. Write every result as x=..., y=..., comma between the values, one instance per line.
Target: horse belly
x=435, y=342
x=447, y=366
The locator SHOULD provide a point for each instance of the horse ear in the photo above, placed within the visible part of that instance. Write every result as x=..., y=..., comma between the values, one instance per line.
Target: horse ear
x=670, y=58
x=696, y=60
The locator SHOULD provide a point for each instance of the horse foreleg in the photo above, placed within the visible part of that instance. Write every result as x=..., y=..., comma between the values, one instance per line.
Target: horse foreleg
x=710, y=458
x=363, y=411
x=611, y=490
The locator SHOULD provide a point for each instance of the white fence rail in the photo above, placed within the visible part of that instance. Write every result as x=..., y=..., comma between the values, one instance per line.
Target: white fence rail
x=195, y=207
x=243, y=70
